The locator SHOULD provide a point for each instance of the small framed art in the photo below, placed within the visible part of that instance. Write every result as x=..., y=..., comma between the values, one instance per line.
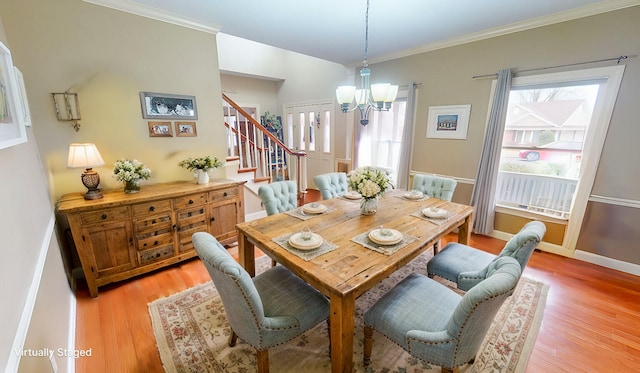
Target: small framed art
x=186, y=129
x=448, y=122
x=160, y=129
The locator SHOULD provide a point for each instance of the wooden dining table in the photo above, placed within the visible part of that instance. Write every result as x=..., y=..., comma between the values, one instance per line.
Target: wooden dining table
x=351, y=268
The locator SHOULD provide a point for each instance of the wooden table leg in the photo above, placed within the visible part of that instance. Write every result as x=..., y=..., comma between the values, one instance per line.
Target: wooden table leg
x=342, y=326
x=464, y=231
x=246, y=254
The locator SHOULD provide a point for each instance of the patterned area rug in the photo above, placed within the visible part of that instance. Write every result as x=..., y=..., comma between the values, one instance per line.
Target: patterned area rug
x=192, y=333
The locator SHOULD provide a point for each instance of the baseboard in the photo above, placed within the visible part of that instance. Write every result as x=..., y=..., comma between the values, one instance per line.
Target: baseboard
x=584, y=256
x=603, y=261
x=13, y=362
x=255, y=215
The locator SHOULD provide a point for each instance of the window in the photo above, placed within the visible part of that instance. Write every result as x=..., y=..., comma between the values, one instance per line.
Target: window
x=542, y=146
x=381, y=140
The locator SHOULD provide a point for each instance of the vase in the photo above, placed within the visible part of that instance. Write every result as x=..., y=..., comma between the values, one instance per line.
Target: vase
x=369, y=206
x=202, y=176
x=132, y=186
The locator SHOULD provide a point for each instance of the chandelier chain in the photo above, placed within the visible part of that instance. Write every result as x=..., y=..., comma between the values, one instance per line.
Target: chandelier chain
x=366, y=36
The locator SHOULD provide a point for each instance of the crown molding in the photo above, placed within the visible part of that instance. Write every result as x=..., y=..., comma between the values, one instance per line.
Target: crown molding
x=157, y=14
x=568, y=15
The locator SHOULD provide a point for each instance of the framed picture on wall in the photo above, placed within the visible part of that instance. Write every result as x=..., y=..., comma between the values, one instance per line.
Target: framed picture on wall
x=12, y=131
x=22, y=92
x=448, y=122
x=186, y=129
x=160, y=129
x=168, y=106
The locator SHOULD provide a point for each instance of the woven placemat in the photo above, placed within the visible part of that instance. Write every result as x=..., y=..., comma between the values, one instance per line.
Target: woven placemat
x=436, y=221
x=364, y=240
x=327, y=246
x=298, y=213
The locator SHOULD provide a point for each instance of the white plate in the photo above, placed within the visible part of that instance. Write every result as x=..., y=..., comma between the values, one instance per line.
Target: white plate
x=314, y=208
x=411, y=195
x=297, y=242
x=435, y=213
x=352, y=195
x=391, y=239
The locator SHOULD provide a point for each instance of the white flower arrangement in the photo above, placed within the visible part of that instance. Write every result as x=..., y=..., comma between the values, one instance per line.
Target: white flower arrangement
x=130, y=170
x=202, y=163
x=370, y=182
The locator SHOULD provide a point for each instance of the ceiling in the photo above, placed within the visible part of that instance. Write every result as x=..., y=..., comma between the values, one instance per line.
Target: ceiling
x=334, y=30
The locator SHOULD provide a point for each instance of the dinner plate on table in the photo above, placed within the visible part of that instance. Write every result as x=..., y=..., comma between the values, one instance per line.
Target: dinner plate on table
x=391, y=239
x=299, y=243
x=314, y=208
x=435, y=213
x=413, y=194
x=352, y=195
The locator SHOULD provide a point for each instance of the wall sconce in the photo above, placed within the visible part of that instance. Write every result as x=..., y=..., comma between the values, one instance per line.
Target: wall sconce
x=87, y=156
x=67, y=108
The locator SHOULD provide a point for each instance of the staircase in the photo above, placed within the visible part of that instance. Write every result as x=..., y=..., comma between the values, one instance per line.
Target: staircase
x=257, y=156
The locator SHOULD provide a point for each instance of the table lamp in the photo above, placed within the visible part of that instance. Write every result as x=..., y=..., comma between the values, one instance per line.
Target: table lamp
x=87, y=156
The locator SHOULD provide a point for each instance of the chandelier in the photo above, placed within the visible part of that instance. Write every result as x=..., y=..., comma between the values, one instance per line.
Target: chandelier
x=370, y=96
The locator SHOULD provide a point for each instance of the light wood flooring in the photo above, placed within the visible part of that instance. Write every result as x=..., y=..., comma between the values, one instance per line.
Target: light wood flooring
x=591, y=322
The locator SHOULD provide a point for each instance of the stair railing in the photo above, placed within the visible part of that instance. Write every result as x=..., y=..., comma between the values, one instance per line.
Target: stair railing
x=260, y=151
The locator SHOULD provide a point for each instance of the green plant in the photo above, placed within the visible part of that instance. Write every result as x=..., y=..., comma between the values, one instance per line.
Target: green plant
x=271, y=121
x=201, y=163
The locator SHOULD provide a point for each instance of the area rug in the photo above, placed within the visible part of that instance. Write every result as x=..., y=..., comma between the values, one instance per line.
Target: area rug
x=192, y=332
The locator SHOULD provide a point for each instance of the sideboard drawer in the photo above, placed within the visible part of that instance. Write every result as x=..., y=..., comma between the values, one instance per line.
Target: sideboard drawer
x=190, y=200
x=218, y=195
x=103, y=216
x=151, y=207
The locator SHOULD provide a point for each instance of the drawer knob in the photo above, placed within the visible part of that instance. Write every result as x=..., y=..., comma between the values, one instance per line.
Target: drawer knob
x=225, y=194
x=213, y=218
x=191, y=202
x=104, y=216
x=151, y=208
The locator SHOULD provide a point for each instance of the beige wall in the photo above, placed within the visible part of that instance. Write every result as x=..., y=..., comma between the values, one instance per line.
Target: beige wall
x=27, y=245
x=446, y=77
x=108, y=57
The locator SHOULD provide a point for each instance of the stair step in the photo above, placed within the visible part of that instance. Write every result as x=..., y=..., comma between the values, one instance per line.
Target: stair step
x=250, y=169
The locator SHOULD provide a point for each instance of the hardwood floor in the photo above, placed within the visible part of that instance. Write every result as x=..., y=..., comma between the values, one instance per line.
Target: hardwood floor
x=591, y=322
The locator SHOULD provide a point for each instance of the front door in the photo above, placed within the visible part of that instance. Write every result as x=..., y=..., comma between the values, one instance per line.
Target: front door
x=309, y=127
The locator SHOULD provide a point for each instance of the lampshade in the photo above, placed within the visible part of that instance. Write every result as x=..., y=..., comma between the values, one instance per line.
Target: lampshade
x=84, y=155
x=87, y=156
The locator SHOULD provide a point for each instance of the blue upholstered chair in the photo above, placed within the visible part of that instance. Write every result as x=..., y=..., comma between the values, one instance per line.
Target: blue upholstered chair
x=435, y=324
x=435, y=186
x=465, y=265
x=279, y=196
x=267, y=310
x=332, y=184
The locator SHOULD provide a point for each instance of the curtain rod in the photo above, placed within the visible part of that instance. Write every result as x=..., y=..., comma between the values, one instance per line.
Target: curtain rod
x=620, y=58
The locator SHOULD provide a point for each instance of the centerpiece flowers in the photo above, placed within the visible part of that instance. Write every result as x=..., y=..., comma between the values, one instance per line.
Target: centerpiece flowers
x=201, y=166
x=371, y=183
x=130, y=172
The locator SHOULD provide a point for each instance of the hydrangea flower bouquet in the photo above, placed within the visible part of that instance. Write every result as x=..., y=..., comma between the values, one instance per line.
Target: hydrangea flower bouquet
x=371, y=183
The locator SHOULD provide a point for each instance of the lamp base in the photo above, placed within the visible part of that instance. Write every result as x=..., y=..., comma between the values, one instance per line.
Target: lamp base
x=91, y=180
x=93, y=194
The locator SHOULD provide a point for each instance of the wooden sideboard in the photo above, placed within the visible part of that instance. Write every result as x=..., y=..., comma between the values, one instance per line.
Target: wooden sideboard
x=123, y=235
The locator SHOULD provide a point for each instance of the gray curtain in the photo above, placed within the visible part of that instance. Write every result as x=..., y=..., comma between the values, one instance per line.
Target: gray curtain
x=484, y=191
x=407, y=139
